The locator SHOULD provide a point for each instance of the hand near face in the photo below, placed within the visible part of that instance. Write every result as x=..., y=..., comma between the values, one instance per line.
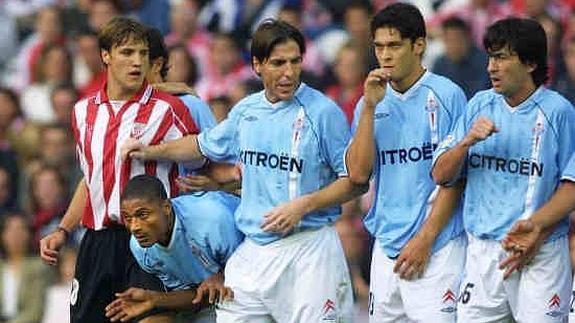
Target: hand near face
x=375, y=85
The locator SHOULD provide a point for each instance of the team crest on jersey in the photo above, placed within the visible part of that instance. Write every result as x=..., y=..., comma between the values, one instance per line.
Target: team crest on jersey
x=554, y=305
x=449, y=302
x=138, y=130
x=431, y=104
x=329, y=311
x=538, y=129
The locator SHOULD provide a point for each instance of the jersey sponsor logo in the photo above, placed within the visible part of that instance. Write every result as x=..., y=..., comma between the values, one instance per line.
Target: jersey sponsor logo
x=381, y=115
x=329, y=311
x=273, y=161
x=406, y=155
x=554, y=305
x=522, y=166
x=449, y=302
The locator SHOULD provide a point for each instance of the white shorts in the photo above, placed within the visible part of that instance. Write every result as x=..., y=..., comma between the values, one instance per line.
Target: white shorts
x=539, y=293
x=430, y=298
x=301, y=278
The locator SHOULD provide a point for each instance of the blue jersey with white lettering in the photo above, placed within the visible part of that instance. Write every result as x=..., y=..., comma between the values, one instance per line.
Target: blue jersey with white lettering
x=203, y=238
x=286, y=149
x=407, y=129
x=204, y=119
x=516, y=170
x=569, y=172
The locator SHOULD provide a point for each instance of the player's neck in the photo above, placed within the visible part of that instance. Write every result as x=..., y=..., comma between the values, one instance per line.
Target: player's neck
x=521, y=95
x=118, y=93
x=406, y=83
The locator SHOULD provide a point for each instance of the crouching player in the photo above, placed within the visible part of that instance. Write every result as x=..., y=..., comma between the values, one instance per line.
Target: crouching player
x=185, y=241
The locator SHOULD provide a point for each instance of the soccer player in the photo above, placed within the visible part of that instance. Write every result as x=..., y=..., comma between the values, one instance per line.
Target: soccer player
x=126, y=106
x=419, y=250
x=511, y=144
x=290, y=140
x=184, y=241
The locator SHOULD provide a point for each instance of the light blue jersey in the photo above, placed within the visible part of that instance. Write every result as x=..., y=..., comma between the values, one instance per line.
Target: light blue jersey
x=569, y=171
x=516, y=170
x=204, y=119
x=287, y=149
x=408, y=128
x=204, y=237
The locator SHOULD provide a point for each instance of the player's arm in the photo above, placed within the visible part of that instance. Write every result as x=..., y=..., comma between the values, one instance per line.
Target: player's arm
x=179, y=150
x=415, y=254
x=50, y=244
x=449, y=164
x=361, y=152
x=284, y=217
x=136, y=301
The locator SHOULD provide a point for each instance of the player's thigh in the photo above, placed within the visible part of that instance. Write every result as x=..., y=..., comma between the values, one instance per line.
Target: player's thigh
x=433, y=297
x=544, y=291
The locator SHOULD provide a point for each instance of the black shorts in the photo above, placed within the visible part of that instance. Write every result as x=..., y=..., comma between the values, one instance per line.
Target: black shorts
x=105, y=266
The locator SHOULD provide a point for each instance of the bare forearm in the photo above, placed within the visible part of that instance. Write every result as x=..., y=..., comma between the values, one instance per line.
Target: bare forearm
x=446, y=202
x=73, y=215
x=361, y=153
x=450, y=163
x=174, y=300
x=338, y=192
x=557, y=208
x=180, y=150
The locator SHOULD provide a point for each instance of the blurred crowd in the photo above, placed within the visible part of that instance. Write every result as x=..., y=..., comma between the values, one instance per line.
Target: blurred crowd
x=49, y=58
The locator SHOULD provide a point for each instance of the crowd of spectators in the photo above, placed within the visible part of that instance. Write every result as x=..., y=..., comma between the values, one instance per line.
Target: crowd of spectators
x=49, y=58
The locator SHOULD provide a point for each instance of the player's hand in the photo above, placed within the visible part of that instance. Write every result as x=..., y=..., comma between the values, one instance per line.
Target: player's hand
x=175, y=88
x=413, y=258
x=482, y=129
x=197, y=183
x=522, y=243
x=213, y=288
x=49, y=246
x=375, y=85
x=129, y=304
x=133, y=148
x=283, y=218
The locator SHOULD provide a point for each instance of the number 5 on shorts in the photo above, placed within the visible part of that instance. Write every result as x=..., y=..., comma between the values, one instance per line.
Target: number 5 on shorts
x=466, y=295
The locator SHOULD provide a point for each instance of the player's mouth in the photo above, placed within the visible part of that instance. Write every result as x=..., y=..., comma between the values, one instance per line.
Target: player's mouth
x=141, y=238
x=135, y=74
x=495, y=81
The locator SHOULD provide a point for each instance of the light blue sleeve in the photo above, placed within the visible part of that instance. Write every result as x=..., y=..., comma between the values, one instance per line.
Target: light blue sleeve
x=356, y=115
x=569, y=171
x=455, y=105
x=200, y=112
x=221, y=143
x=335, y=136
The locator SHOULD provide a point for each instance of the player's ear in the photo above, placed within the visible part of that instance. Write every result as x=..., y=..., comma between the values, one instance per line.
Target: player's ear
x=256, y=65
x=105, y=55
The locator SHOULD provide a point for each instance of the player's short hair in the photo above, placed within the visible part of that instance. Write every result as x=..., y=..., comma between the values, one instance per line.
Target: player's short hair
x=120, y=30
x=406, y=18
x=272, y=32
x=145, y=187
x=526, y=38
x=158, y=49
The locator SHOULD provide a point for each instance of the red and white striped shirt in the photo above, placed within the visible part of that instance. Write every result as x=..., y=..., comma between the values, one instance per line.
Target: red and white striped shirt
x=100, y=130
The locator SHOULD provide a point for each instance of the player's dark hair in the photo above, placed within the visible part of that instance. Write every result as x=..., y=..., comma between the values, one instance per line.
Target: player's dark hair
x=120, y=30
x=158, y=49
x=145, y=187
x=456, y=23
x=406, y=18
x=272, y=32
x=524, y=37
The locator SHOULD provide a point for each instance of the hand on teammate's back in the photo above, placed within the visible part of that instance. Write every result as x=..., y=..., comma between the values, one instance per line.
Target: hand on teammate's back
x=213, y=288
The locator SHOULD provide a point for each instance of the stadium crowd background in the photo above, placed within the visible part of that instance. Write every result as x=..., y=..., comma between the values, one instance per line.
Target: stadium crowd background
x=49, y=58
